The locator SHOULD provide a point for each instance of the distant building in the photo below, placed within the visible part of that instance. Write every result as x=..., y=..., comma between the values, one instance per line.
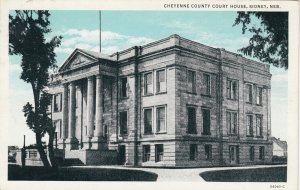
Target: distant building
x=173, y=102
x=279, y=147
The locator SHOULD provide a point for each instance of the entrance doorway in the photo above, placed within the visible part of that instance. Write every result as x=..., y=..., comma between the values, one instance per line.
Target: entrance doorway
x=234, y=154
x=122, y=154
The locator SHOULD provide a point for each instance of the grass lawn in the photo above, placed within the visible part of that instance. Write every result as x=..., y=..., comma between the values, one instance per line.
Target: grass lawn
x=77, y=174
x=276, y=174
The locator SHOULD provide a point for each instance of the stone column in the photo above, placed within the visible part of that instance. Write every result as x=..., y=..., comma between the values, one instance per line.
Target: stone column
x=71, y=141
x=90, y=112
x=98, y=141
x=65, y=113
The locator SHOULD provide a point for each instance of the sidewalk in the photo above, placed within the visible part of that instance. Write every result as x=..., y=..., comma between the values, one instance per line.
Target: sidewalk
x=178, y=174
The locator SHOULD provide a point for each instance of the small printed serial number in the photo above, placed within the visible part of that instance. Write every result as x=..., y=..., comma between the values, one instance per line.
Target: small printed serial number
x=277, y=186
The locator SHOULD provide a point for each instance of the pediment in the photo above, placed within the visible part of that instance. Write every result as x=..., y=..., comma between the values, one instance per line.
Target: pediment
x=77, y=59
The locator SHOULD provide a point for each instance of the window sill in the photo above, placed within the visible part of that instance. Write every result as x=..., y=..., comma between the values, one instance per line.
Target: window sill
x=191, y=133
x=124, y=98
x=249, y=103
x=161, y=132
x=258, y=105
x=193, y=93
x=146, y=95
x=147, y=134
x=261, y=137
x=231, y=99
x=206, y=134
x=206, y=95
x=250, y=136
x=159, y=93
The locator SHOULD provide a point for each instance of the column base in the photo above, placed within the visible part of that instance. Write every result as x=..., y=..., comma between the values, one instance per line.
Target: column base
x=71, y=144
x=98, y=143
x=86, y=143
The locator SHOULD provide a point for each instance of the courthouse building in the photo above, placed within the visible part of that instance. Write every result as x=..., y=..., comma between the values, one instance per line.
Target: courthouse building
x=172, y=102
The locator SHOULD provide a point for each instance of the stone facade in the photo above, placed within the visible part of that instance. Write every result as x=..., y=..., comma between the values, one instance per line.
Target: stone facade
x=173, y=102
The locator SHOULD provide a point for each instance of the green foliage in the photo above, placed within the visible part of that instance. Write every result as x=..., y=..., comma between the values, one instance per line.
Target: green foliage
x=269, y=41
x=27, y=31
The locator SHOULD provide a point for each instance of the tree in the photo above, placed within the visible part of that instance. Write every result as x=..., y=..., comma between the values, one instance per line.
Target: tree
x=27, y=31
x=269, y=42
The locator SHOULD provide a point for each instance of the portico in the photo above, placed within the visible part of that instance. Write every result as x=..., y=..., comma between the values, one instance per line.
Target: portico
x=82, y=103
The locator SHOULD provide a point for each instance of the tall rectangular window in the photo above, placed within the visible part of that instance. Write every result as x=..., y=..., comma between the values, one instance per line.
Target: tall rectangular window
x=57, y=103
x=207, y=84
x=261, y=153
x=259, y=127
x=148, y=84
x=232, y=89
x=58, y=128
x=231, y=121
x=191, y=116
x=208, y=151
x=146, y=153
x=159, y=152
x=148, y=121
x=251, y=153
x=249, y=125
x=161, y=81
x=160, y=119
x=249, y=93
x=193, y=151
x=123, y=122
x=124, y=87
x=191, y=79
x=259, y=91
x=206, y=121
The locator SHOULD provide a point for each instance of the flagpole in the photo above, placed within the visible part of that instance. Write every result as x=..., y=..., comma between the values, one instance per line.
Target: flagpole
x=99, y=31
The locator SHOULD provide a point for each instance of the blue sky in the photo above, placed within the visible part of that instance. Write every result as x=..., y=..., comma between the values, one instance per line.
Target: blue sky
x=123, y=29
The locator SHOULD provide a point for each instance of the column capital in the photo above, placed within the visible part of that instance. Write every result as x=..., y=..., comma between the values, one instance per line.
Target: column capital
x=99, y=76
x=65, y=85
x=90, y=78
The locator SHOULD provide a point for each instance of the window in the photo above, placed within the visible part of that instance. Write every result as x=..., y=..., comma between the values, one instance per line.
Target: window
x=231, y=121
x=58, y=128
x=32, y=154
x=206, y=121
x=160, y=119
x=146, y=153
x=261, y=153
x=193, y=152
x=259, y=128
x=123, y=122
x=147, y=121
x=207, y=84
x=248, y=93
x=259, y=91
x=251, y=152
x=231, y=89
x=161, y=81
x=250, y=125
x=159, y=152
x=191, y=127
x=148, y=84
x=208, y=154
x=57, y=103
x=191, y=79
x=124, y=85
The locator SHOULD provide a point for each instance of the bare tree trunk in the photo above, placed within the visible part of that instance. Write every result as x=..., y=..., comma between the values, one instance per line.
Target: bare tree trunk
x=50, y=148
x=41, y=150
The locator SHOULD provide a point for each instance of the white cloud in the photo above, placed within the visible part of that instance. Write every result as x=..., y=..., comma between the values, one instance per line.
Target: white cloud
x=89, y=40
